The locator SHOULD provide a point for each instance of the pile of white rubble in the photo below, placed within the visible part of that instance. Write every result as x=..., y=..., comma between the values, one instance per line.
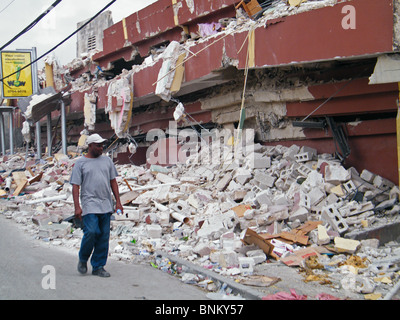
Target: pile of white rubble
x=201, y=211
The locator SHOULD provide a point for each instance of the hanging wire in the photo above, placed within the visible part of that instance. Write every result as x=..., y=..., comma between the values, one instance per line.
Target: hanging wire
x=7, y=6
x=62, y=42
x=191, y=119
x=32, y=24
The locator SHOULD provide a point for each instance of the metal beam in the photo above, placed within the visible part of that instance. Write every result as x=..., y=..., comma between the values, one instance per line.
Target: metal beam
x=2, y=135
x=11, y=132
x=38, y=141
x=49, y=134
x=63, y=128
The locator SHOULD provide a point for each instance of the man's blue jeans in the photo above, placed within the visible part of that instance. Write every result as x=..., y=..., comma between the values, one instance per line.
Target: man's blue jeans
x=96, y=235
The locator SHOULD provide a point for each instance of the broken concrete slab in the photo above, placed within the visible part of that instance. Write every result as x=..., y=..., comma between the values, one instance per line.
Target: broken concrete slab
x=272, y=212
x=224, y=181
x=346, y=245
x=54, y=230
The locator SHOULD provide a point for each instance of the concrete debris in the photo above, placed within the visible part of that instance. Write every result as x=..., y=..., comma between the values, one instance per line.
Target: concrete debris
x=167, y=71
x=119, y=102
x=233, y=222
x=172, y=56
x=37, y=98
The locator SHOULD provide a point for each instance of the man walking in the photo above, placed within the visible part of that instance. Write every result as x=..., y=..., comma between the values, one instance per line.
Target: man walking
x=94, y=178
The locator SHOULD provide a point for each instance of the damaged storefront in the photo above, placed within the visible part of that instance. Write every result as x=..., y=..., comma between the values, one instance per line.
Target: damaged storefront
x=247, y=135
x=309, y=85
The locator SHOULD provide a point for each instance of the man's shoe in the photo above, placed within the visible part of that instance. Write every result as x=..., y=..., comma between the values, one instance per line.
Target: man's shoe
x=101, y=273
x=82, y=267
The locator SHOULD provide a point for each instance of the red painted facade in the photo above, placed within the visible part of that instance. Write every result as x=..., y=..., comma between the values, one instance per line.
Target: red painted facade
x=315, y=35
x=357, y=96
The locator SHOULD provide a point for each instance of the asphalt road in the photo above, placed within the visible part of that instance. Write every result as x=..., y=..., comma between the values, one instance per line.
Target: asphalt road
x=34, y=270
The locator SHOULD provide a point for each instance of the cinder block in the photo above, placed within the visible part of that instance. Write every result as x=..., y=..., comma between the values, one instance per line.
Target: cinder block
x=246, y=265
x=181, y=207
x=309, y=150
x=285, y=173
x=316, y=196
x=367, y=176
x=385, y=266
x=228, y=258
x=353, y=207
x=264, y=197
x=242, y=176
x=264, y=179
x=305, y=154
x=41, y=219
x=291, y=152
x=303, y=157
x=280, y=184
x=349, y=186
x=224, y=181
x=300, y=214
x=164, y=178
x=154, y=231
x=305, y=200
x=331, y=199
x=255, y=189
x=382, y=183
x=258, y=255
x=261, y=163
x=336, y=174
x=304, y=170
x=281, y=199
x=332, y=216
x=239, y=194
x=202, y=249
x=129, y=215
x=55, y=230
x=213, y=225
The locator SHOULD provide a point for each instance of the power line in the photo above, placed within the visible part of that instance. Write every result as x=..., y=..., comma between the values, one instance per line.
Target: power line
x=59, y=44
x=32, y=24
x=6, y=6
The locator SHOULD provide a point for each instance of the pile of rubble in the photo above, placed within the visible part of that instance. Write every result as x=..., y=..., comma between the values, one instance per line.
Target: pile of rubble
x=271, y=204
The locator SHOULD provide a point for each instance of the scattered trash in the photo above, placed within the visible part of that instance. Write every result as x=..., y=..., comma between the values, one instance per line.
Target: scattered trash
x=226, y=236
x=285, y=296
x=287, y=205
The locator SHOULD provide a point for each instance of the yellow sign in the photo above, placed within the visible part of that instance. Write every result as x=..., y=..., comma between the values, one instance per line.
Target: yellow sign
x=19, y=83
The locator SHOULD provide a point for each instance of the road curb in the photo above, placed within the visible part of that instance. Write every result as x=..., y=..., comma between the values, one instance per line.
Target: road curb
x=237, y=288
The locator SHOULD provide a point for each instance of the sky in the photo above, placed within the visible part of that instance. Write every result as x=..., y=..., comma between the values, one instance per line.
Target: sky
x=15, y=15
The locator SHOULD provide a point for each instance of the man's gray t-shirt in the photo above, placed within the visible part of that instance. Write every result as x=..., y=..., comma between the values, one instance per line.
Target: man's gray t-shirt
x=93, y=175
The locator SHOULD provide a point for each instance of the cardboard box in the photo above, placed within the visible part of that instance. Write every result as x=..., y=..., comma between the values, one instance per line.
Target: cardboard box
x=240, y=209
x=252, y=237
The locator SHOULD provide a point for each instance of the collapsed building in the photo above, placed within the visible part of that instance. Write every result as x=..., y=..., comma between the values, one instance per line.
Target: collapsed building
x=313, y=80
x=314, y=73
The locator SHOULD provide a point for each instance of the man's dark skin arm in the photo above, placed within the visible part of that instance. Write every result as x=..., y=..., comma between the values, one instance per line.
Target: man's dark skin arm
x=75, y=197
x=115, y=191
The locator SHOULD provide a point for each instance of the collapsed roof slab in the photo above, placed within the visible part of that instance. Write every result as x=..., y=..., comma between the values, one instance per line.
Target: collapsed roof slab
x=311, y=36
x=319, y=35
x=353, y=97
x=292, y=40
x=163, y=20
